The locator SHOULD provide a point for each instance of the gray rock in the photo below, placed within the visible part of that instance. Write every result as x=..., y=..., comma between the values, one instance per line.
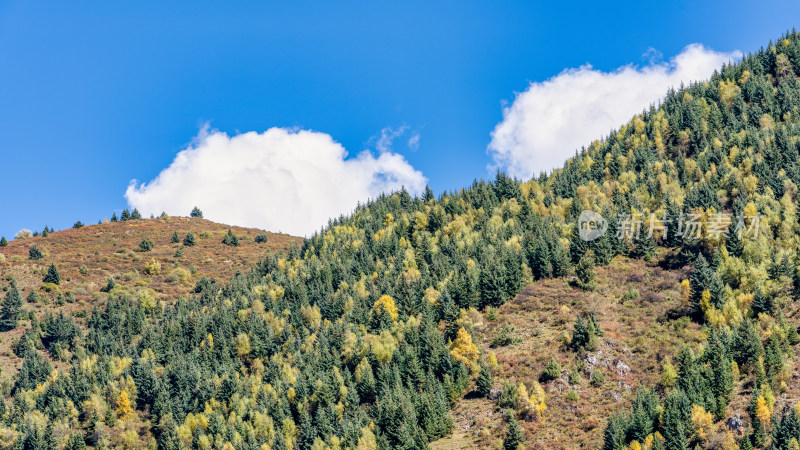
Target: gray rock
x=735, y=423
x=494, y=394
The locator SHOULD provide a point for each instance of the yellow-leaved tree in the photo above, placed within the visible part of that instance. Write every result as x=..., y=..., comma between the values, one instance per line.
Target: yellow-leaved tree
x=464, y=350
x=124, y=410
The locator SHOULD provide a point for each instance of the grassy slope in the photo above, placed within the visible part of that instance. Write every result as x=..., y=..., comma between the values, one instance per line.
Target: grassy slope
x=637, y=333
x=109, y=250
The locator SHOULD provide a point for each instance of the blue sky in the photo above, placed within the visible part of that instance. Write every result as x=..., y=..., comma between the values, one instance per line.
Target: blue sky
x=95, y=94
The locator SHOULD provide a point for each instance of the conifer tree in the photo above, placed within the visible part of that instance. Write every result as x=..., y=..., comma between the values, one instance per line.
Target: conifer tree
x=514, y=438
x=34, y=253
x=114, y=217
x=614, y=433
x=762, y=303
x=52, y=275
x=540, y=260
x=3, y=242
x=583, y=335
x=136, y=215
x=189, y=240
x=9, y=313
x=733, y=243
x=484, y=382
x=175, y=238
x=585, y=272
x=145, y=245
x=196, y=213
x=126, y=215
x=230, y=239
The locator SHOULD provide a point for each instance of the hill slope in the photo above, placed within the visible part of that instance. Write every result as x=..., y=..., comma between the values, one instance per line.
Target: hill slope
x=372, y=331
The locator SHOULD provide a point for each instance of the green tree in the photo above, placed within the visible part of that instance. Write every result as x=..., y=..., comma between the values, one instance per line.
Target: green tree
x=3, y=242
x=585, y=272
x=584, y=335
x=230, y=239
x=52, y=275
x=146, y=245
x=551, y=371
x=514, y=438
x=126, y=215
x=34, y=253
x=614, y=433
x=485, y=379
x=77, y=225
x=261, y=238
x=196, y=213
x=175, y=238
x=135, y=215
x=189, y=240
x=114, y=217
x=9, y=313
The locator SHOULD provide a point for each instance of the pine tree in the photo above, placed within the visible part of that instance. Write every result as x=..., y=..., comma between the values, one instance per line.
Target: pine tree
x=126, y=215
x=583, y=335
x=34, y=253
x=45, y=232
x=485, y=379
x=3, y=242
x=114, y=217
x=514, y=438
x=135, y=215
x=762, y=303
x=733, y=243
x=540, y=260
x=585, y=272
x=9, y=313
x=145, y=245
x=551, y=371
x=52, y=275
x=175, y=238
x=644, y=246
x=189, y=240
x=614, y=433
x=196, y=213
x=230, y=239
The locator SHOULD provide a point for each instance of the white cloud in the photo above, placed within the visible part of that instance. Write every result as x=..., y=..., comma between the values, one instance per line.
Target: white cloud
x=551, y=119
x=280, y=180
x=387, y=136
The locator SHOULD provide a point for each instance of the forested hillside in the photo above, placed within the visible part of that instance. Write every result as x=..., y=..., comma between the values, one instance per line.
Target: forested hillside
x=367, y=334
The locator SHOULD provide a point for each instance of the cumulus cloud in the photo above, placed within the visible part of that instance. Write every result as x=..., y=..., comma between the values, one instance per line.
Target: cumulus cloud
x=280, y=180
x=547, y=122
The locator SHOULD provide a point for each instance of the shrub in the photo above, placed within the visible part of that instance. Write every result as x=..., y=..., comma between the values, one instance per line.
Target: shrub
x=34, y=253
x=152, y=267
x=572, y=396
x=261, y=238
x=230, y=239
x=2, y=258
x=33, y=297
x=110, y=284
x=178, y=254
x=145, y=245
x=597, y=378
x=551, y=372
x=631, y=294
x=506, y=336
x=78, y=224
x=49, y=287
x=83, y=270
x=196, y=213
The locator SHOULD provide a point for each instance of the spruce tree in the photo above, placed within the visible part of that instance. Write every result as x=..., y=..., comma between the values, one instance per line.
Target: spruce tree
x=34, y=253
x=762, y=303
x=189, y=240
x=514, y=438
x=583, y=335
x=733, y=243
x=540, y=260
x=52, y=275
x=135, y=215
x=585, y=272
x=614, y=433
x=484, y=382
x=9, y=313
x=175, y=238
x=3, y=242
x=644, y=246
x=196, y=213
x=126, y=215
x=145, y=245
x=230, y=239
x=114, y=217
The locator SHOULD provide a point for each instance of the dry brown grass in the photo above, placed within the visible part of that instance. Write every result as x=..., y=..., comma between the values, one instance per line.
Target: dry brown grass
x=110, y=250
